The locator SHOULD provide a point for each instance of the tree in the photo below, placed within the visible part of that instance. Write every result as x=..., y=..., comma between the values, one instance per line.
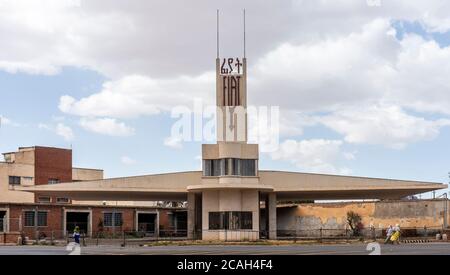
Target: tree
x=354, y=222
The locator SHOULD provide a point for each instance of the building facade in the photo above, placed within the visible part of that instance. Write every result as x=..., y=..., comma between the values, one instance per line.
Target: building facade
x=231, y=198
x=41, y=216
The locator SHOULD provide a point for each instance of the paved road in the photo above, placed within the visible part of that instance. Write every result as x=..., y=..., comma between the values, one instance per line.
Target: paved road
x=350, y=249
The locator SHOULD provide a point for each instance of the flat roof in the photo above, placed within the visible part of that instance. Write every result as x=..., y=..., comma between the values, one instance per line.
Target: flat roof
x=287, y=185
x=349, y=176
x=92, y=169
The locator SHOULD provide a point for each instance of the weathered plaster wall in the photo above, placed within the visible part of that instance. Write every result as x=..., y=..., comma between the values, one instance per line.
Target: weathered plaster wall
x=409, y=214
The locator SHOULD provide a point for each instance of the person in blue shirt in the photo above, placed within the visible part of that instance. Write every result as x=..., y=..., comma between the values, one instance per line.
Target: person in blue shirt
x=76, y=234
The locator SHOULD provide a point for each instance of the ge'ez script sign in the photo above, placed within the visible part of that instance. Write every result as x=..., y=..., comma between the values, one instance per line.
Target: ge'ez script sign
x=232, y=77
x=231, y=66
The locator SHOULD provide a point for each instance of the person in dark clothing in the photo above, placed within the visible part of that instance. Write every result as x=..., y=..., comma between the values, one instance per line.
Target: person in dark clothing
x=76, y=234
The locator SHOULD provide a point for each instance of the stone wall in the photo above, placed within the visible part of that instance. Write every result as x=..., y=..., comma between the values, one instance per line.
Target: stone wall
x=332, y=216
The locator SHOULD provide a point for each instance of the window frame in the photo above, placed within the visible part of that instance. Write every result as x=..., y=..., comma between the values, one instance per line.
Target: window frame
x=230, y=220
x=58, y=200
x=39, y=213
x=118, y=222
x=33, y=219
x=12, y=180
x=40, y=199
x=53, y=181
x=36, y=220
x=245, y=163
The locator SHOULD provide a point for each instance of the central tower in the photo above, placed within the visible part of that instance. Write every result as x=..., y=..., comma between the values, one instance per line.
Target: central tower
x=231, y=99
x=226, y=204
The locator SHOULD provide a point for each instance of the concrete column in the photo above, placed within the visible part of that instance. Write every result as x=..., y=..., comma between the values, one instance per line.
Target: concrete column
x=157, y=224
x=272, y=209
x=191, y=215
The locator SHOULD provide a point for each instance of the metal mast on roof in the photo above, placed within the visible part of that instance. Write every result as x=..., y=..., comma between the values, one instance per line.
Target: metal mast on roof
x=245, y=34
x=218, y=36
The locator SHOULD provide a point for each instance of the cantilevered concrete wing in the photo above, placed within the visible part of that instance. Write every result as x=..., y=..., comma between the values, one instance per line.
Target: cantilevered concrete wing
x=287, y=186
x=292, y=186
x=142, y=188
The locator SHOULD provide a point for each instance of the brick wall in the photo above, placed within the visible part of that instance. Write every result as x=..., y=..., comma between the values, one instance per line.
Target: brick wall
x=9, y=238
x=52, y=163
x=55, y=218
x=408, y=214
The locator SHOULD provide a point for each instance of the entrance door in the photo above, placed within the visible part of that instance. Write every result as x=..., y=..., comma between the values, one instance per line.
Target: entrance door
x=147, y=223
x=3, y=221
x=80, y=219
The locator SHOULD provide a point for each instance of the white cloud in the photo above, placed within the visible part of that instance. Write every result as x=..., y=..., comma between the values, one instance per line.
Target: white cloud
x=60, y=129
x=127, y=160
x=4, y=121
x=136, y=95
x=64, y=131
x=107, y=126
x=174, y=142
x=292, y=123
x=345, y=74
x=421, y=75
x=315, y=155
x=46, y=35
x=385, y=125
x=322, y=56
x=322, y=75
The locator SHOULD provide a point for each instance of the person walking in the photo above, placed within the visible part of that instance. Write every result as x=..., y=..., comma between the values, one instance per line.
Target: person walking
x=395, y=238
x=389, y=232
x=77, y=235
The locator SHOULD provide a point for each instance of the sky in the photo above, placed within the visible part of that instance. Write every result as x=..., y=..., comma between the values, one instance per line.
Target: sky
x=362, y=85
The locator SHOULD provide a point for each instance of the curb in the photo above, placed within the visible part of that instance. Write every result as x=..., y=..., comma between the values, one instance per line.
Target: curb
x=418, y=241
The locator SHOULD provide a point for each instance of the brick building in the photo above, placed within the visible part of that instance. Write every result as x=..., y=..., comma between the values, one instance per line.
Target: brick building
x=41, y=216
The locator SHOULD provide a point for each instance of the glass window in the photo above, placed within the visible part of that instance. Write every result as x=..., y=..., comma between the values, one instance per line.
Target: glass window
x=207, y=167
x=248, y=167
x=217, y=169
x=42, y=218
x=221, y=167
x=236, y=169
x=246, y=220
x=44, y=199
x=230, y=220
x=214, y=220
x=112, y=218
x=214, y=167
x=13, y=180
x=62, y=200
x=227, y=167
x=107, y=219
x=29, y=218
x=118, y=219
x=53, y=181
